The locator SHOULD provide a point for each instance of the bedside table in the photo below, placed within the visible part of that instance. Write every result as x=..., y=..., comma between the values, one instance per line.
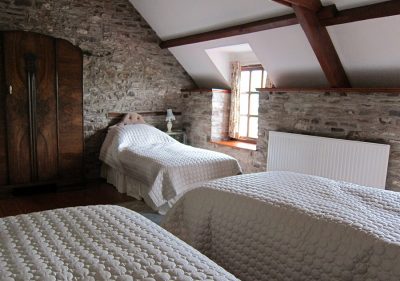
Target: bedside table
x=178, y=135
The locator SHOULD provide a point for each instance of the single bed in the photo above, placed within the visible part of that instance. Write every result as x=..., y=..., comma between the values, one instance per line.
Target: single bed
x=289, y=226
x=97, y=243
x=144, y=162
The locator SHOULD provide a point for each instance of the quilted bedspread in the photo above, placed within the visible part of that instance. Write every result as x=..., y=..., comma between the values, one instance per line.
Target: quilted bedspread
x=97, y=243
x=288, y=226
x=168, y=168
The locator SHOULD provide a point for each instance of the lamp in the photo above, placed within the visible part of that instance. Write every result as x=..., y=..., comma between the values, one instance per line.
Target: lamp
x=170, y=117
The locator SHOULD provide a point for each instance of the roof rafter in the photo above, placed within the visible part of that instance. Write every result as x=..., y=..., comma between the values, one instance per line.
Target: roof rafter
x=313, y=5
x=328, y=16
x=322, y=45
x=320, y=41
x=246, y=28
x=373, y=11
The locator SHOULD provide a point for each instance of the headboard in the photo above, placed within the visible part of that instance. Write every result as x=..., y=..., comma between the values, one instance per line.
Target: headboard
x=120, y=115
x=124, y=118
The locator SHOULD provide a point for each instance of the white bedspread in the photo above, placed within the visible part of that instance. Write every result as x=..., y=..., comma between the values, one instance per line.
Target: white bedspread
x=288, y=226
x=97, y=243
x=166, y=167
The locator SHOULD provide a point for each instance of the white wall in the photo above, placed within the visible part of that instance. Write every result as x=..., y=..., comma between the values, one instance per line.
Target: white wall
x=370, y=51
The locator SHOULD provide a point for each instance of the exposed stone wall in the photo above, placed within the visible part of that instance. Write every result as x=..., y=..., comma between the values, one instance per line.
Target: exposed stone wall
x=220, y=104
x=196, y=116
x=205, y=119
x=124, y=68
x=371, y=117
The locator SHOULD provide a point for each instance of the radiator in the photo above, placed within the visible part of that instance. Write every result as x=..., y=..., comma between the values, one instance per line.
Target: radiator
x=357, y=162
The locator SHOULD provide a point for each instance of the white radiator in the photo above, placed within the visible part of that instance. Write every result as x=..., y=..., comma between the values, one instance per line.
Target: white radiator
x=362, y=163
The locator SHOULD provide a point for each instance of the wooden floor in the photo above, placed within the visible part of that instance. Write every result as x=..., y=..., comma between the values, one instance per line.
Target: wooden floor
x=91, y=194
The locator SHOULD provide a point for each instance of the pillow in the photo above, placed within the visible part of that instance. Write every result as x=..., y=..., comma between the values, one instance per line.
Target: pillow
x=131, y=118
x=140, y=135
x=131, y=135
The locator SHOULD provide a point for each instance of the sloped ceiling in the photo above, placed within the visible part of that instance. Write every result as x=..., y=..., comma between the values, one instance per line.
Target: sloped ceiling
x=369, y=50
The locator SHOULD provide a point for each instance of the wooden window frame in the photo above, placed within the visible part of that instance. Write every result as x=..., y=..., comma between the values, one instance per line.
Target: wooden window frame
x=250, y=68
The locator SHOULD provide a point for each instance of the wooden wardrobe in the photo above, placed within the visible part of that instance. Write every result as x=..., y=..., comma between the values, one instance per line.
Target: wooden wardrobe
x=41, y=110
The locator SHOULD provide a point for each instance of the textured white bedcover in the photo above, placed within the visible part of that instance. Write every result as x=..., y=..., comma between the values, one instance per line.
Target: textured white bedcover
x=97, y=243
x=166, y=167
x=288, y=226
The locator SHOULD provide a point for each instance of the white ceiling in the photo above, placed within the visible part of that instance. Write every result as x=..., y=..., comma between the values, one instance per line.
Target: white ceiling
x=173, y=18
x=369, y=50
x=223, y=56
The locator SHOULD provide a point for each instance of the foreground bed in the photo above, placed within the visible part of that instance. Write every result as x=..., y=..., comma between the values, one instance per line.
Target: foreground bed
x=97, y=243
x=144, y=162
x=288, y=226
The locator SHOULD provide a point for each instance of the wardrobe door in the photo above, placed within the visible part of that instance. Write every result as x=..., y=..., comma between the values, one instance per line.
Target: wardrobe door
x=70, y=110
x=46, y=111
x=18, y=137
x=31, y=108
x=3, y=133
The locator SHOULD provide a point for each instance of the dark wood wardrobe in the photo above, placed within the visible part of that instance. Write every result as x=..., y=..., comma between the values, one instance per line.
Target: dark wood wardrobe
x=41, y=110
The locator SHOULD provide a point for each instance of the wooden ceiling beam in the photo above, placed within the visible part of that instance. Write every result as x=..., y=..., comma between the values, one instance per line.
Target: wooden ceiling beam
x=321, y=43
x=246, y=28
x=373, y=11
x=328, y=16
x=283, y=2
x=313, y=5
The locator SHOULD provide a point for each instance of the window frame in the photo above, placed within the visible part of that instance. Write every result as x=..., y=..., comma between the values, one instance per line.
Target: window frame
x=250, y=68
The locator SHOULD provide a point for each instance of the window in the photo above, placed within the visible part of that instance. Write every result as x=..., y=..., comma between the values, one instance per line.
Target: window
x=252, y=77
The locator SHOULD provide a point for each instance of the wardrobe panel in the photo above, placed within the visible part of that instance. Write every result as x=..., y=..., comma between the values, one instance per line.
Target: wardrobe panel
x=18, y=136
x=70, y=109
x=3, y=136
x=46, y=109
x=41, y=117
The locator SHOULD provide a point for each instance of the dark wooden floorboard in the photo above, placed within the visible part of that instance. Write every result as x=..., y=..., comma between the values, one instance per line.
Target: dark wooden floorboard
x=94, y=193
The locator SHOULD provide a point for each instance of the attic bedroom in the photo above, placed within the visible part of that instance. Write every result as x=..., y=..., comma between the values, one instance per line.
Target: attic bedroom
x=200, y=140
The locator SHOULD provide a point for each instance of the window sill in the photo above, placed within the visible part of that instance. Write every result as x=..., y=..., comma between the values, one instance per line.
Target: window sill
x=237, y=144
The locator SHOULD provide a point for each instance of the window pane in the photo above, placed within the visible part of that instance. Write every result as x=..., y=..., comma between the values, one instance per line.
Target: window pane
x=254, y=104
x=244, y=81
x=264, y=83
x=256, y=76
x=253, y=127
x=243, y=126
x=244, y=103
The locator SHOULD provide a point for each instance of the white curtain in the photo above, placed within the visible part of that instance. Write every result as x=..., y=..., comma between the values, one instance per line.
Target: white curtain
x=235, y=101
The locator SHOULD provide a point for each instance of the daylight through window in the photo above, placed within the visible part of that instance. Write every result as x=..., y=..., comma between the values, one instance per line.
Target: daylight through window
x=252, y=77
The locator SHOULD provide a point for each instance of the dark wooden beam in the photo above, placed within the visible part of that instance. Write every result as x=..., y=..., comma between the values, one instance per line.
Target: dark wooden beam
x=327, y=15
x=334, y=90
x=323, y=47
x=283, y=2
x=206, y=90
x=143, y=113
x=313, y=5
x=373, y=11
x=246, y=28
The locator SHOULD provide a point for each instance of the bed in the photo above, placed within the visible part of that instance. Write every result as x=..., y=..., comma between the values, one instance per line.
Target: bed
x=144, y=162
x=97, y=243
x=289, y=226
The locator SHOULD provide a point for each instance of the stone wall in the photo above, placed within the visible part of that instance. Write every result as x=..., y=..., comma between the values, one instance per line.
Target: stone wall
x=124, y=68
x=205, y=119
x=371, y=117
x=220, y=104
x=196, y=116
